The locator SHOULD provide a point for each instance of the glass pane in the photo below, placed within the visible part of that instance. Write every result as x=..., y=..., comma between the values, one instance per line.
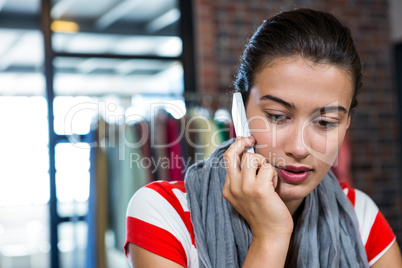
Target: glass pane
x=21, y=54
x=170, y=46
x=73, y=115
x=24, y=236
x=124, y=27
x=72, y=178
x=72, y=244
x=24, y=180
x=24, y=183
x=24, y=177
x=98, y=77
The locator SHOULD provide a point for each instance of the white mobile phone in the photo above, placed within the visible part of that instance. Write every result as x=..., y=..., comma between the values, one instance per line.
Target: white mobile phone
x=240, y=119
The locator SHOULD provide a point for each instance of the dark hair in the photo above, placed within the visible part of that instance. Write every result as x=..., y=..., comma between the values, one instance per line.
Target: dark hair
x=314, y=35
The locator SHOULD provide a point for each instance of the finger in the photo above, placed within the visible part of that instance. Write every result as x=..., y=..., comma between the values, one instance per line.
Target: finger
x=234, y=153
x=243, y=143
x=267, y=175
x=250, y=164
x=226, y=189
x=233, y=163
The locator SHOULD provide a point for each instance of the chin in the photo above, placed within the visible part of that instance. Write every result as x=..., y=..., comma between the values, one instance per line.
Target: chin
x=292, y=192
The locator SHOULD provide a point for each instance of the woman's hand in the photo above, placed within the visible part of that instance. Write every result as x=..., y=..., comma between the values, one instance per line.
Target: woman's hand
x=250, y=189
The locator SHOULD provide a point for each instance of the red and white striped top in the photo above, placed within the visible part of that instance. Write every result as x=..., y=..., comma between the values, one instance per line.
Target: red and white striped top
x=158, y=220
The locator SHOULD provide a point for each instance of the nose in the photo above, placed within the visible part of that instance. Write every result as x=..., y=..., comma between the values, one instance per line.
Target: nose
x=295, y=146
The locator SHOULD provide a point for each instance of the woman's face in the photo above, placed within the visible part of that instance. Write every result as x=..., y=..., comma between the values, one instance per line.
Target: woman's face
x=298, y=112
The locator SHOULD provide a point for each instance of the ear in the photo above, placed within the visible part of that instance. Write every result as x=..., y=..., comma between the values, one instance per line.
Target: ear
x=349, y=118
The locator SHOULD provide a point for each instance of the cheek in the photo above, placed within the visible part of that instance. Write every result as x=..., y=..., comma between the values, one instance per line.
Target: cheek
x=269, y=143
x=331, y=141
x=264, y=133
x=325, y=146
x=323, y=143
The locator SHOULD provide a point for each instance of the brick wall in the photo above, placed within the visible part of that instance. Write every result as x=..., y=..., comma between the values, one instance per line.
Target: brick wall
x=222, y=29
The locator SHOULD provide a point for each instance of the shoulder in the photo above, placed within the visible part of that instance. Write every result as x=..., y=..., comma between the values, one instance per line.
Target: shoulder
x=365, y=208
x=162, y=204
x=158, y=220
x=376, y=234
x=171, y=192
x=168, y=198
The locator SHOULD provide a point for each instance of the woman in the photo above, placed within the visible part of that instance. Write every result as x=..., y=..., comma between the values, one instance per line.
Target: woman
x=279, y=206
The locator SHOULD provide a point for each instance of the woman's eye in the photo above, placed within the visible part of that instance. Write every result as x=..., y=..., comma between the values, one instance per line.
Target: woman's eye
x=276, y=118
x=325, y=124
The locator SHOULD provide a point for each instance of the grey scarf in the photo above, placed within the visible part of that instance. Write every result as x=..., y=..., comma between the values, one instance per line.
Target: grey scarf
x=326, y=234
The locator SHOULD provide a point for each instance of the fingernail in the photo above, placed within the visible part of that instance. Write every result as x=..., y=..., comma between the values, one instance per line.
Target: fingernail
x=251, y=138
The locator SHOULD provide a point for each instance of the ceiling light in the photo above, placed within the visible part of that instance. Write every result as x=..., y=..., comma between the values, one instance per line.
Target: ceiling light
x=163, y=21
x=64, y=26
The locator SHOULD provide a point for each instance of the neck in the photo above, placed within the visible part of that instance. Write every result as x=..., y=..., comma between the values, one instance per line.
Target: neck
x=293, y=206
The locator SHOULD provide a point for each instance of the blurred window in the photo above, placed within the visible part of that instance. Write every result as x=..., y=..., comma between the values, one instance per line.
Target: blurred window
x=24, y=182
x=146, y=37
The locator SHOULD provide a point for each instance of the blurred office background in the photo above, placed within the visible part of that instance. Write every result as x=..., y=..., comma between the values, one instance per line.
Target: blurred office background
x=74, y=70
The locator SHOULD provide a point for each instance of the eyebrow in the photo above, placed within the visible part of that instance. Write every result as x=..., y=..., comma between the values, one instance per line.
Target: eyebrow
x=279, y=100
x=291, y=105
x=331, y=108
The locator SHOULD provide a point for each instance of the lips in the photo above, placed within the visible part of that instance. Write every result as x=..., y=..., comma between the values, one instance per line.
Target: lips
x=294, y=173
